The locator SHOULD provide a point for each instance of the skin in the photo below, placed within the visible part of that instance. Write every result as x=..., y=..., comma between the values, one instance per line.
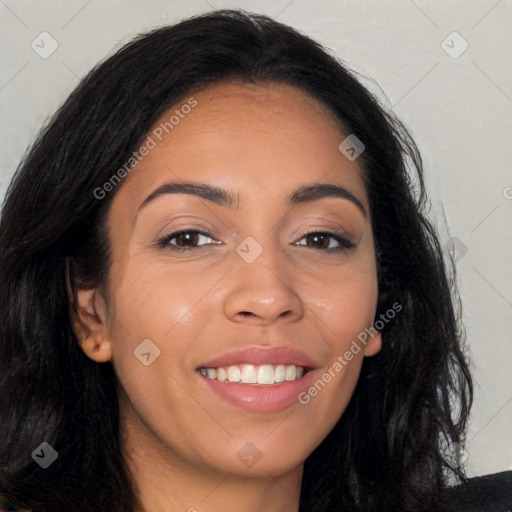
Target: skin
x=260, y=142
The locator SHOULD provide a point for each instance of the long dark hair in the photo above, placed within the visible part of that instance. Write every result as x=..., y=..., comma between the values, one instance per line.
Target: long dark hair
x=385, y=453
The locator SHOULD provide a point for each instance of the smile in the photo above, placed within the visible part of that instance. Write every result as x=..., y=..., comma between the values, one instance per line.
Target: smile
x=266, y=374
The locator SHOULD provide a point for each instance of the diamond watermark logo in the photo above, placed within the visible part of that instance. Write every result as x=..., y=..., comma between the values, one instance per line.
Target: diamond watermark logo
x=351, y=147
x=249, y=250
x=45, y=455
x=456, y=248
x=147, y=352
x=44, y=45
x=249, y=455
x=454, y=45
x=455, y=455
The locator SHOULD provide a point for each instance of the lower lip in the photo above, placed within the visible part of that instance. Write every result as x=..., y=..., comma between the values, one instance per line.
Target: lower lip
x=260, y=398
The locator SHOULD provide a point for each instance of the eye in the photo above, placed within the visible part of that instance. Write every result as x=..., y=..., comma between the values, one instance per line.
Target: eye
x=326, y=241
x=186, y=240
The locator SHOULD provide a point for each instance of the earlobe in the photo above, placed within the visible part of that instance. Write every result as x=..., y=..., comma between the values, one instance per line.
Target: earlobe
x=99, y=351
x=90, y=326
x=374, y=345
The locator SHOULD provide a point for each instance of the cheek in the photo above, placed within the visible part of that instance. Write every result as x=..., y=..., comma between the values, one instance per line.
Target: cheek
x=151, y=300
x=162, y=312
x=347, y=305
x=353, y=310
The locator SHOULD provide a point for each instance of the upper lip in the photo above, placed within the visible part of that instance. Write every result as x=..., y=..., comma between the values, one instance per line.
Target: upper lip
x=260, y=356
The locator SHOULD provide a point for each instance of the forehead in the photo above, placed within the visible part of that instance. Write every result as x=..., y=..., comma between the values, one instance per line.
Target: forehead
x=230, y=102
x=252, y=138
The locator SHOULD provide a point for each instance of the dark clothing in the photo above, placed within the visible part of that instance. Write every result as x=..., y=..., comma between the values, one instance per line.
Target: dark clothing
x=490, y=493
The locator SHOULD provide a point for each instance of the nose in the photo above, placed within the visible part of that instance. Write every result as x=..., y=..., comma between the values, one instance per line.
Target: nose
x=262, y=293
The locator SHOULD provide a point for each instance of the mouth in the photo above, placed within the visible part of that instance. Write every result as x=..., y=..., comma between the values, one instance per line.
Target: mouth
x=264, y=375
x=257, y=380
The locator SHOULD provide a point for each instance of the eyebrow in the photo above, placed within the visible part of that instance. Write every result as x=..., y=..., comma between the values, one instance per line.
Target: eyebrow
x=316, y=191
x=222, y=197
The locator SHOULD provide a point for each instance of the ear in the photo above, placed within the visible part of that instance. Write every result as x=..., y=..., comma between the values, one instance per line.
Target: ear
x=90, y=325
x=373, y=345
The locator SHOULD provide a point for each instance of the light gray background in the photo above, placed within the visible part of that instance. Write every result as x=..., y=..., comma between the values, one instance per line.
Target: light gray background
x=458, y=109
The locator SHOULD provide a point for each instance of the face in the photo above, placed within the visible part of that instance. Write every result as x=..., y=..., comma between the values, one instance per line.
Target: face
x=242, y=272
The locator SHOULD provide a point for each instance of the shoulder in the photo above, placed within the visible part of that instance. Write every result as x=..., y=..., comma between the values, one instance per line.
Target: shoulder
x=490, y=493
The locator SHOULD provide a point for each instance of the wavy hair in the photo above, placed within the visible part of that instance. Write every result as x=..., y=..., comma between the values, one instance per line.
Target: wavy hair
x=386, y=451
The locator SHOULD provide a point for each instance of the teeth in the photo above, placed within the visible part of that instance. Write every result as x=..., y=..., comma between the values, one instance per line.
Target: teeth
x=279, y=374
x=234, y=374
x=249, y=374
x=266, y=374
x=290, y=373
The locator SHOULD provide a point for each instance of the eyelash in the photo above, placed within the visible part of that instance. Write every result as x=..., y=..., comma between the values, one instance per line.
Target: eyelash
x=164, y=242
x=344, y=243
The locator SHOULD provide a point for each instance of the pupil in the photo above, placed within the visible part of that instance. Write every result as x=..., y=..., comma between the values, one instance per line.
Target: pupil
x=187, y=238
x=316, y=238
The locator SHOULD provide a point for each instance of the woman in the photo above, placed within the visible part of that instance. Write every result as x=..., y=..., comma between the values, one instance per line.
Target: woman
x=219, y=291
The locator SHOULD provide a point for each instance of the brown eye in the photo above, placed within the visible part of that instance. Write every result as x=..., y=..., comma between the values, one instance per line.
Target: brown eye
x=318, y=240
x=327, y=241
x=186, y=240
